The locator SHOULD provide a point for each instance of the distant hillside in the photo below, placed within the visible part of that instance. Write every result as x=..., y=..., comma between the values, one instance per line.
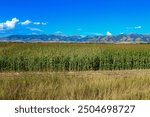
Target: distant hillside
x=122, y=38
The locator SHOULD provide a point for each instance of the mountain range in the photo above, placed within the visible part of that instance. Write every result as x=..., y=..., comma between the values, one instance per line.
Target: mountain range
x=122, y=38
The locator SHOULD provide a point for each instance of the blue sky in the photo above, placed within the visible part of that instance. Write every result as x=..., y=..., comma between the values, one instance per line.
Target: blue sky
x=84, y=17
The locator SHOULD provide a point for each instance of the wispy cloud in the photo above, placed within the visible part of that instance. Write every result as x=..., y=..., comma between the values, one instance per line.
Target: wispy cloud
x=36, y=23
x=134, y=27
x=44, y=23
x=27, y=22
x=35, y=29
x=138, y=27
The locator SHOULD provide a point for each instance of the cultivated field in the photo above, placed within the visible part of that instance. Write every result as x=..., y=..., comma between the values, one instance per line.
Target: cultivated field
x=72, y=57
x=74, y=71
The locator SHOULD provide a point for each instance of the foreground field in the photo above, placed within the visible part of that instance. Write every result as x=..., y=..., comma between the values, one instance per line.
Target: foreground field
x=127, y=84
x=21, y=57
x=74, y=71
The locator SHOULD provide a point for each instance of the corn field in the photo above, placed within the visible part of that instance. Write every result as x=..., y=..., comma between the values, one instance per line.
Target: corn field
x=73, y=57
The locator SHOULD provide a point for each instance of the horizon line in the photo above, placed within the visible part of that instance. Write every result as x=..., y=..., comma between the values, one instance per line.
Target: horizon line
x=61, y=34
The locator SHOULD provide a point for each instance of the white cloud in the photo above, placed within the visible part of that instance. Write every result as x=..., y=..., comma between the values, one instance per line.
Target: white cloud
x=9, y=24
x=108, y=34
x=27, y=22
x=40, y=23
x=138, y=27
x=135, y=27
x=44, y=23
x=36, y=23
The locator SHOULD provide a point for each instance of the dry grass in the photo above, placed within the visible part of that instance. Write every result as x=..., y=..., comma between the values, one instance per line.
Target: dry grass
x=127, y=84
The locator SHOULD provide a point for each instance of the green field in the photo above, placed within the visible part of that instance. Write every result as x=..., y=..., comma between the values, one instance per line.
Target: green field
x=73, y=57
x=74, y=71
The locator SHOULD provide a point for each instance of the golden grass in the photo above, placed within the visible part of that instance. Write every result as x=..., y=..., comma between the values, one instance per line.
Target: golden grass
x=99, y=85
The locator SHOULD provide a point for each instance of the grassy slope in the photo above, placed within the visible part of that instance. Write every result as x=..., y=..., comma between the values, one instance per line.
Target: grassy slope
x=128, y=84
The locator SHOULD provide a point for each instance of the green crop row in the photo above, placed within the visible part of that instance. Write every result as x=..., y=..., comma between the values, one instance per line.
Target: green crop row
x=72, y=57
